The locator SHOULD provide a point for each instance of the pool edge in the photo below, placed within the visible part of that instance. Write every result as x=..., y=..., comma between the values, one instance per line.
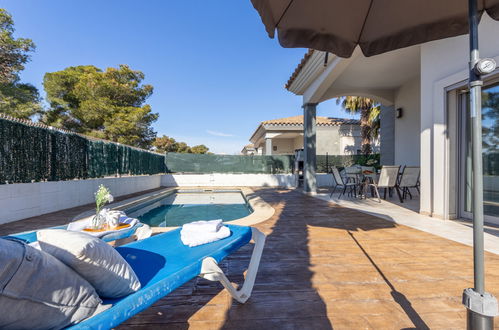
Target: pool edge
x=261, y=209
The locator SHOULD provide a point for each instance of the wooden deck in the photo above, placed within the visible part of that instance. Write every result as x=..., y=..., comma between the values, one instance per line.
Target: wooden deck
x=328, y=267
x=324, y=267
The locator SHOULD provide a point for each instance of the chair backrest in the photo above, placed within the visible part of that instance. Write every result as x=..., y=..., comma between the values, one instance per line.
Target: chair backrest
x=410, y=176
x=337, y=177
x=388, y=176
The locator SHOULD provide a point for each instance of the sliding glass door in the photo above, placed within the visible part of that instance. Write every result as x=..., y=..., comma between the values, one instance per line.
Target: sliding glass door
x=490, y=135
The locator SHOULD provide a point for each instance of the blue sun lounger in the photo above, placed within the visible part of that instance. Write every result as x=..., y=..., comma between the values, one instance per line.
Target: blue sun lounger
x=30, y=236
x=163, y=264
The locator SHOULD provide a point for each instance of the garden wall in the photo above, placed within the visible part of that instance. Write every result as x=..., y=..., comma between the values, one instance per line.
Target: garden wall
x=23, y=200
x=229, y=180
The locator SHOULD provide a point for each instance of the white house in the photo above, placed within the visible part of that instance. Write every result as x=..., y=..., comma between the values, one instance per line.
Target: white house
x=335, y=136
x=425, y=117
x=249, y=150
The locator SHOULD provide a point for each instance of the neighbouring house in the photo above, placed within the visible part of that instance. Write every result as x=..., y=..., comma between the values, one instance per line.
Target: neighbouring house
x=249, y=150
x=425, y=121
x=335, y=136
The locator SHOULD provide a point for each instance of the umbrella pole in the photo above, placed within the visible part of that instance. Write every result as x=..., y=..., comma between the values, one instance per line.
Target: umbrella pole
x=480, y=305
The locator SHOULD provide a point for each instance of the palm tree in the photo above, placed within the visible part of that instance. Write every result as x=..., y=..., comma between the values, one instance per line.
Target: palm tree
x=369, y=117
x=375, y=121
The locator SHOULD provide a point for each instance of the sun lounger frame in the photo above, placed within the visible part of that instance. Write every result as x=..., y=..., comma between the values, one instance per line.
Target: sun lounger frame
x=211, y=271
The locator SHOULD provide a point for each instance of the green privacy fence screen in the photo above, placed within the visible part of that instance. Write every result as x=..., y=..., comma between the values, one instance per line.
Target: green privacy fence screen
x=206, y=163
x=31, y=152
x=327, y=161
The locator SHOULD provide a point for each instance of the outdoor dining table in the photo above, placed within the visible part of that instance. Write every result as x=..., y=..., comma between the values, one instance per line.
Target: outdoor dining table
x=363, y=178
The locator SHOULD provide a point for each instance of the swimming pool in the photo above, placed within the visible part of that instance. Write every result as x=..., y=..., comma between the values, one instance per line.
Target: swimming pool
x=186, y=206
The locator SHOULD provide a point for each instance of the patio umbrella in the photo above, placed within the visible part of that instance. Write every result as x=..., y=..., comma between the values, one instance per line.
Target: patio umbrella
x=379, y=26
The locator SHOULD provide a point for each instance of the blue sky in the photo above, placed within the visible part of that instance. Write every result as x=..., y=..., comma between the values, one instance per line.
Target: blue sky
x=216, y=74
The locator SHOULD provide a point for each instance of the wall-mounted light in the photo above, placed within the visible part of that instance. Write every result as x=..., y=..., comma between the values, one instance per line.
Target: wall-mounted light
x=398, y=113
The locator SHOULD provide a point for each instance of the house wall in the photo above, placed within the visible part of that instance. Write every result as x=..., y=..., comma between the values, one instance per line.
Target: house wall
x=328, y=140
x=444, y=64
x=407, y=127
x=334, y=140
x=338, y=140
x=284, y=146
x=298, y=142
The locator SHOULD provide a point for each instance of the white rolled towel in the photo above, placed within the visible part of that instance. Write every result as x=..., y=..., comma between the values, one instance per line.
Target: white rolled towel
x=191, y=238
x=203, y=226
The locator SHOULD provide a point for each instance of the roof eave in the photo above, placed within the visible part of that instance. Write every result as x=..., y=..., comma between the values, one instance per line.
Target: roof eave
x=307, y=71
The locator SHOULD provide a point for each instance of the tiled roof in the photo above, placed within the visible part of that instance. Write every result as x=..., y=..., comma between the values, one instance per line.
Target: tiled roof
x=321, y=121
x=298, y=69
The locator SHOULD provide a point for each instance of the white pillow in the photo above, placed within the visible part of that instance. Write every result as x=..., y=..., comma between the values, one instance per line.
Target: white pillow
x=95, y=260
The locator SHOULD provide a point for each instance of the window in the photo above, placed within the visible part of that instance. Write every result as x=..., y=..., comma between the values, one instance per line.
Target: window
x=490, y=151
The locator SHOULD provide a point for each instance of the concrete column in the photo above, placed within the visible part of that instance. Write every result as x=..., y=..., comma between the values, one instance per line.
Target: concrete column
x=387, y=136
x=309, y=147
x=268, y=146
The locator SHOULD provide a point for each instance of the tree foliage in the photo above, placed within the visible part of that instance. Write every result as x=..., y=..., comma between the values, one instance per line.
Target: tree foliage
x=106, y=104
x=363, y=106
x=16, y=99
x=19, y=100
x=14, y=53
x=169, y=144
x=199, y=149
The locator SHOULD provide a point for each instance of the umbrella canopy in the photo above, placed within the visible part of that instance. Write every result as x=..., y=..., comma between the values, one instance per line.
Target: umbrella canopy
x=377, y=26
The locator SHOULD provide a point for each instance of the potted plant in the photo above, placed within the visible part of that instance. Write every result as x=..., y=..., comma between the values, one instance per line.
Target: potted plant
x=102, y=197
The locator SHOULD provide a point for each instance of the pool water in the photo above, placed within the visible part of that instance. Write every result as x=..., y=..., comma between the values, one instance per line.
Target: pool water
x=181, y=208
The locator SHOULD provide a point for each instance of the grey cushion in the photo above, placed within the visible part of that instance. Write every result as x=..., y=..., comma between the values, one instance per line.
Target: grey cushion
x=92, y=258
x=38, y=291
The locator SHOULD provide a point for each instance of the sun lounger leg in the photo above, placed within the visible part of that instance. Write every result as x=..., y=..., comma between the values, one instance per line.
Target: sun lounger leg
x=211, y=271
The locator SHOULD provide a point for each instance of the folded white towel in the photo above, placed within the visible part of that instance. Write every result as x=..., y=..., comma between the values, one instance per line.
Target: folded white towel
x=203, y=226
x=191, y=238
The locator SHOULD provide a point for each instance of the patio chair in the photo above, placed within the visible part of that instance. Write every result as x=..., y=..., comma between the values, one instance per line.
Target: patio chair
x=340, y=182
x=388, y=180
x=163, y=263
x=409, y=179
